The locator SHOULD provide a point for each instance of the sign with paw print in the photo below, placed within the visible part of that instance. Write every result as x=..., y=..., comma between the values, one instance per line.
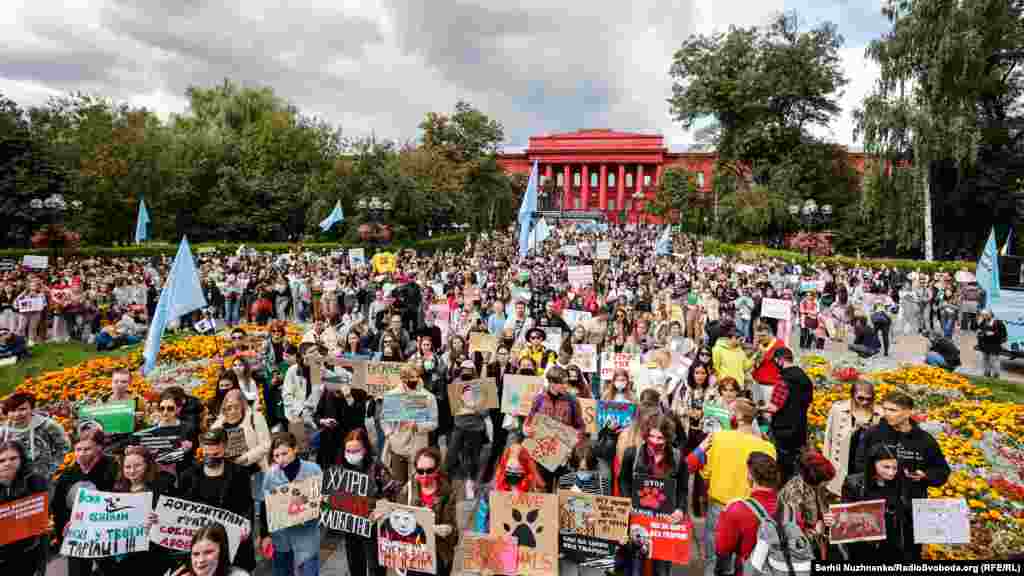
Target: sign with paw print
x=532, y=518
x=294, y=503
x=652, y=494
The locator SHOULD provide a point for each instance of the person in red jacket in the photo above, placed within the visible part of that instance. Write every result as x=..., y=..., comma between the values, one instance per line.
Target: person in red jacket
x=766, y=373
x=736, y=533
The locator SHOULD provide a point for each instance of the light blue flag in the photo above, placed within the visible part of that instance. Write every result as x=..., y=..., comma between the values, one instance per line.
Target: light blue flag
x=526, y=210
x=541, y=232
x=663, y=247
x=142, y=224
x=182, y=294
x=333, y=218
x=988, y=270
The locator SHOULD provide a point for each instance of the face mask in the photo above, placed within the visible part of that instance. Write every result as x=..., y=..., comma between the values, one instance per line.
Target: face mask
x=213, y=461
x=514, y=478
x=584, y=475
x=428, y=365
x=620, y=385
x=428, y=479
x=354, y=458
x=508, y=342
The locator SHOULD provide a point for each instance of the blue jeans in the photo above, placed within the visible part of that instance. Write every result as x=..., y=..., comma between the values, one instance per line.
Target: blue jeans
x=284, y=565
x=743, y=327
x=947, y=328
x=710, y=527
x=232, y=306
x=935, y=359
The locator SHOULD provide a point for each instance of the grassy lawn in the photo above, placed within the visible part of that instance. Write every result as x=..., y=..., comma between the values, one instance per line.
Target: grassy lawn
x=1002, y=390
x=49, y=357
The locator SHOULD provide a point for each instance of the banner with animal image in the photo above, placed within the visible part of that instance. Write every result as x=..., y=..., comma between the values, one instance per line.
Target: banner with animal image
x=858, y=522
x=532, y=519
x=346, y=507
x=653, y=495
x=179, y=519
x=591, y=526
x=656, y=537
x=485, y=554
x=105, y=524
x=326, y=373
x=472, y=396
x=550, y=442
x=518, y=392
x=294, y=503
x=405, y=538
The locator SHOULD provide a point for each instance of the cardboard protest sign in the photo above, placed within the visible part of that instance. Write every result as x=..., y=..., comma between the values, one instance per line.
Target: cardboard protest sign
x=941, y=521
x=611, y=361
x=30, y=304
x=33, y=262
x=518, y=392
x=294, y=503
x=552, y=338
x=383, y=376
x=408, y=408
x=677, y=313
x=858, y=522
x=575, y=317
x=530, y=517
x=346, y=507
x=776, y=308
x=658, y=538
x=236, y=444
x=616, y=414
x=604, y=251
x=591, y=526
x=653, y=495
x=482, y=342
x=550, y=442
x=588, y=411
x=472, y=396
x=180, y=519
x=570, y=250
x=585, y=356
x=332, y=373
x=105, y=524
x=405, y=538
x=357, y=257
x=581, y=275
x=485, y=554
x=24, y=518
x=115, y=417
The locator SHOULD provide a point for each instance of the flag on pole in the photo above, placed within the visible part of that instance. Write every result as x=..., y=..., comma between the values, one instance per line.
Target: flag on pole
x=526, y=210
x=987, y=271
x=182, y=294
x=663, y=247
x=333, y=218
x=142, y=223
x=541, y=232
x=1006, y=247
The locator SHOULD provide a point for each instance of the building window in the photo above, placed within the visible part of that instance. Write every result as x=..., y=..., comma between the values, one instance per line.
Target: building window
x=560, y=179
x=576, y=203
x=629, y=179
x=593, y=179
x=629, y=203
x=611, y=205
x=576, y=179
x=647, y=179
x=700, y=180
x=611, y=180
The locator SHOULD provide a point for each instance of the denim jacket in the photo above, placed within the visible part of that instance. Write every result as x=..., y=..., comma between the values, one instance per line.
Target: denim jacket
x=303, y=540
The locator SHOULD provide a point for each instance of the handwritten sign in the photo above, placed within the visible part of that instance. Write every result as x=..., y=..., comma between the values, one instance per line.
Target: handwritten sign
x=24, y=518
x=611, y=361
x=346, y=507
x=294, y=503
x=551, y=442
x=472, y=396
x=405, y=538
x=581, y=275
x=529, y=517
x=616, y=414
x=383, y=376
x=105, y=524
x=575, y=318
x=180, y=519
x=115, y=417
x=552, y=338
x=483, y=342
x=236, y=444
x=357, y=257
x=33, y=262
x=941, y=521
x=588, y=411
x=518, y=392
x=858, y=522
x=408, y=408
x=570, y=250
x=656, y=537
x=486, y=555
x=591, y=526
x=604, y=251
x=585, y=356
x=27, y=304
x=776, y=308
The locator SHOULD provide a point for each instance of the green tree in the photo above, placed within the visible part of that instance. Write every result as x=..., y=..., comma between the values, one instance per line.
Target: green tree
x=465, y=135
x=675, y=196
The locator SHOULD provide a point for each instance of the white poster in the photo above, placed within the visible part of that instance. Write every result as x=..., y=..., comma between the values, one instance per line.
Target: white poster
x=180, y=519
x=604, y=251
x=30, y=304
x=581, y=275
x=776, y=308
x=941, y=521
x=105, y=524
x=35, y=262
x=357, y=256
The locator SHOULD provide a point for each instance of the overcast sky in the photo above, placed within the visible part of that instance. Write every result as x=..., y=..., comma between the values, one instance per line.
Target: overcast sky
x=538, y=66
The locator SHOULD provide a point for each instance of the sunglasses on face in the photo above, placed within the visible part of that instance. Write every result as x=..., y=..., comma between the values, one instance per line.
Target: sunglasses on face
x=865, y=398
x=425, y=471
x=168, y=408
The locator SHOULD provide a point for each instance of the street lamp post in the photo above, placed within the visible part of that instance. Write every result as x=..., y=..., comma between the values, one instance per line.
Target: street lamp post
x=53, y=208
x=810, y=215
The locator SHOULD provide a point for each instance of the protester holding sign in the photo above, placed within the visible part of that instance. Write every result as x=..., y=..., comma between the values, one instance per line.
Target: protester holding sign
x=358, y=457
x=209, y=555
x=92, y=469
x=32, y=319
x=517, y=472
x=296, y=548
x=17, y=481
x=339, y=412
x=431, y=489
x=404, y=439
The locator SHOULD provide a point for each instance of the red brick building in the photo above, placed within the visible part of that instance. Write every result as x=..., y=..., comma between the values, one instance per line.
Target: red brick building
x=607, y=171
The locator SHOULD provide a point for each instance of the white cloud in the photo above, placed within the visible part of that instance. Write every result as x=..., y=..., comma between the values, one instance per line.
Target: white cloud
x=862, y=73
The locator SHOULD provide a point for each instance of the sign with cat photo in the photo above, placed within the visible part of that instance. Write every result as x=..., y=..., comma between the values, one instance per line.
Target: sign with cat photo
x=654, y=495
x=294, y=503
x=532, y=518
x=405, y=538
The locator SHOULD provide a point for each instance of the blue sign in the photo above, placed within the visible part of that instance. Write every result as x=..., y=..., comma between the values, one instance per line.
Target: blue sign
x=616, y=414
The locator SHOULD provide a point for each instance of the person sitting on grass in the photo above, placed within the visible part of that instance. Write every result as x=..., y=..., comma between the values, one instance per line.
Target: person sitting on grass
x=12, y=345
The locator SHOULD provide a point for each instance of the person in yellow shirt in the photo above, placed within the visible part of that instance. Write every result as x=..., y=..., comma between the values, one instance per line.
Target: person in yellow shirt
x=722, y=458
x=536, y=351
x=729, y=357
x=383, y=262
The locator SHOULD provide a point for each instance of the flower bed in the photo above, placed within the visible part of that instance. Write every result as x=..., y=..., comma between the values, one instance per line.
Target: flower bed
x=983, y=441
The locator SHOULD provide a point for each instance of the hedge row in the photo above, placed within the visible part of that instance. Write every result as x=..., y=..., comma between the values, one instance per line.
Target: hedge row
x=741, y=250
x=452, y=241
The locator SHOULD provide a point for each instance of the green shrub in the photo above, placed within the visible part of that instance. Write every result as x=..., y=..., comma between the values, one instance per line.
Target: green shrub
x=722, y=249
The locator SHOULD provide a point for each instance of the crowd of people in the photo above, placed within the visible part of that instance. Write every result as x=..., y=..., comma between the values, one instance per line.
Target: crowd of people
x=721, y=401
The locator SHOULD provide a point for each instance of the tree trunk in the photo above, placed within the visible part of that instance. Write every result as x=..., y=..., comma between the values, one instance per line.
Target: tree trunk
x=929, y=240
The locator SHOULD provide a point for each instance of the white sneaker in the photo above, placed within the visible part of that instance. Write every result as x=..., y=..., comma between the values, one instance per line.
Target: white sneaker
x=470, y=490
